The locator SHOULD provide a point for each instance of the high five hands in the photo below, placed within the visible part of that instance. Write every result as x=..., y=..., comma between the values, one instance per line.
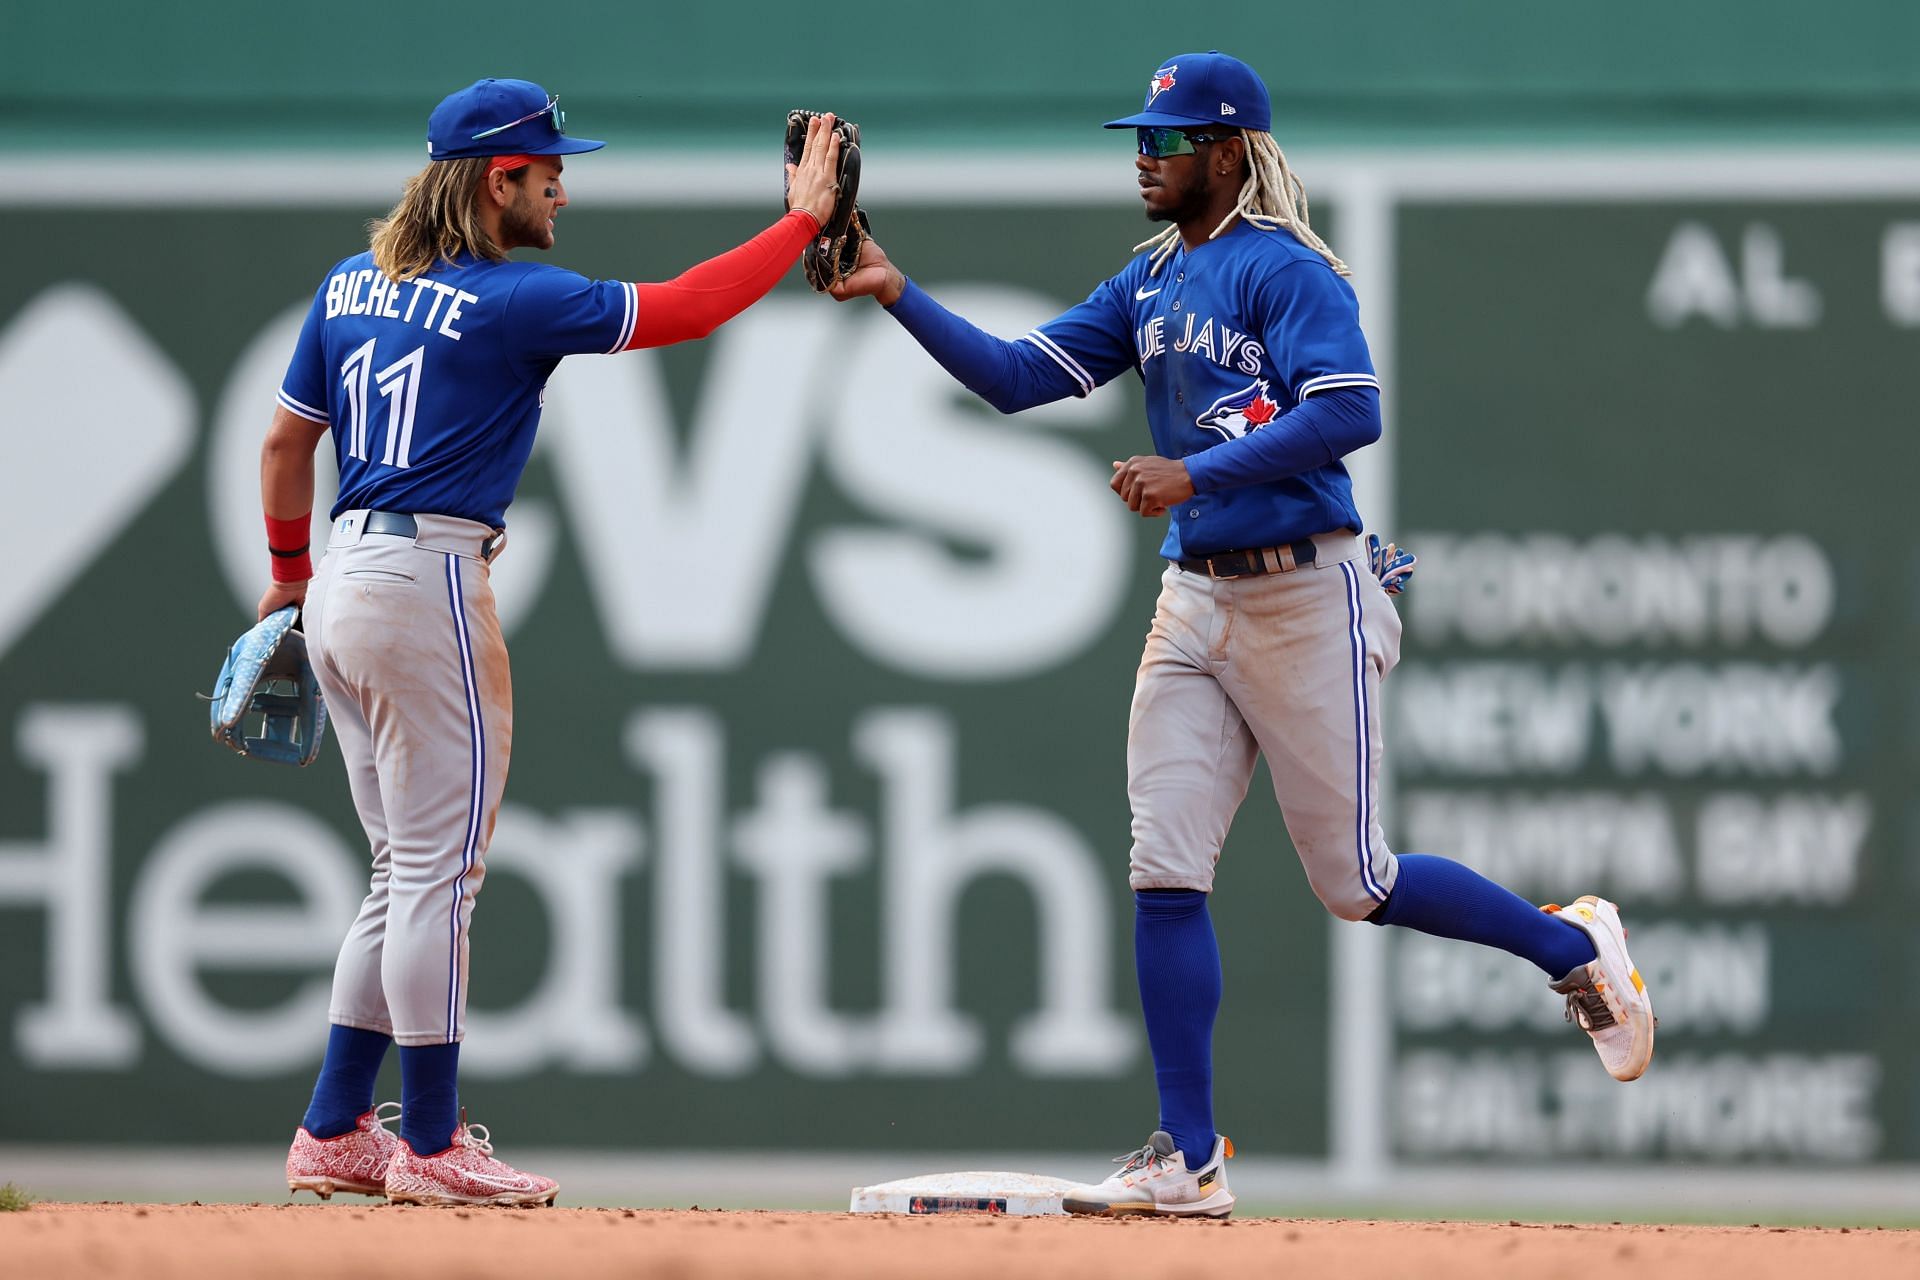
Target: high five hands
x=874, y=277
x=1149, y=485
x=811, y=184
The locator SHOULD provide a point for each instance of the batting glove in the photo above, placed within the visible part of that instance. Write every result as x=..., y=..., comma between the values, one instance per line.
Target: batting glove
x=1391, y=565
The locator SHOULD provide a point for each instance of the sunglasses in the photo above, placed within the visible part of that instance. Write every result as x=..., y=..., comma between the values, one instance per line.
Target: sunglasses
x=1158, y=144
x=552, y=109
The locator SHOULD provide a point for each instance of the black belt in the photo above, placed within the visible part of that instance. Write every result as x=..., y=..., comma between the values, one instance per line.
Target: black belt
x=393, y=522
x=1256, y=560
x=402, y=525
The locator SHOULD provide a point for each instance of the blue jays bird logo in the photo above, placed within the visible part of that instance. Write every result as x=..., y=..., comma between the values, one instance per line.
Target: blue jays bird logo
x=1161, y=82
x=1240, y=412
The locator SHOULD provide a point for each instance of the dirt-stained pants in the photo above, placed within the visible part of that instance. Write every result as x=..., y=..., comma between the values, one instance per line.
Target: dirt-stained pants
x=403, y=636
x=1285, y=665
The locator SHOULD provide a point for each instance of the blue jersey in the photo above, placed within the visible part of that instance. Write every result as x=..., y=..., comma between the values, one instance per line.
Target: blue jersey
x=433, y=387
x=1227, y=338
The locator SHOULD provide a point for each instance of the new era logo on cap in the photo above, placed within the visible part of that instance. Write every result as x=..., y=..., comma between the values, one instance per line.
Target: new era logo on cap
x=1202, y=88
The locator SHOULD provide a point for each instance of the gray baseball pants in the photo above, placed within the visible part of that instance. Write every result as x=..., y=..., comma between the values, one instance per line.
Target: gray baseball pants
x=1285, y=665
x=403, y=637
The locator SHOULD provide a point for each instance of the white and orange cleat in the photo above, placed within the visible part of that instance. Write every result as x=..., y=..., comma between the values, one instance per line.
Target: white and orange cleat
x=1606, y=995
x=1155, y=1180
x=355, y=1161
x=465, y=1173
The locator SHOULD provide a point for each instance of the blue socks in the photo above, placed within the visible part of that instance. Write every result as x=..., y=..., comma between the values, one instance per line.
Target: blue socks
x=1449, y=900
x=344, y=1091
x=1178, y=964
x=429, y=1096
x=429, y=1088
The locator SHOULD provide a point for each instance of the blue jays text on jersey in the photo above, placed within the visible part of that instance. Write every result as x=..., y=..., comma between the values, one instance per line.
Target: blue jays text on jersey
x=433, y=386
x=1234, y=350
x=1233, y=340
x=1228, y=338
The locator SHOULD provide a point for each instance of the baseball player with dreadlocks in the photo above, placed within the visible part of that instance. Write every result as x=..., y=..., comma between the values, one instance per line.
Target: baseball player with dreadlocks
x=1270, y=636
x=428, y=356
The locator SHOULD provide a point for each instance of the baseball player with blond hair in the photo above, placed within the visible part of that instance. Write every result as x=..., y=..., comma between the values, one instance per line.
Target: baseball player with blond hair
x=427, y=357
x=1271, y=636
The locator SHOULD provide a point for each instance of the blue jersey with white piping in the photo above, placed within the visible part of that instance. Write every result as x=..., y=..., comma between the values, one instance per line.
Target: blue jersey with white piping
x=433, y=387
x=1228, y=338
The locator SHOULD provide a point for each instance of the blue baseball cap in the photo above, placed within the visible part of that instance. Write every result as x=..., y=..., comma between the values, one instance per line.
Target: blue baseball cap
x=1203, y=88
x=501, y=118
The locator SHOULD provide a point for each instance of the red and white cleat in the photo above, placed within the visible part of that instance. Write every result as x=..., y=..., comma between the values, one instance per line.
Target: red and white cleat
x=465, y=1173
x=355, y=1161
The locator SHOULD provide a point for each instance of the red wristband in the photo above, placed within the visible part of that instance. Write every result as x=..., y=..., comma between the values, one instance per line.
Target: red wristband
x=287, y=543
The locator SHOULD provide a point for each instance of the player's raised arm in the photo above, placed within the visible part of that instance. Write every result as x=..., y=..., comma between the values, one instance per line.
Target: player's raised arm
x=1069, y=355
x=704, y=297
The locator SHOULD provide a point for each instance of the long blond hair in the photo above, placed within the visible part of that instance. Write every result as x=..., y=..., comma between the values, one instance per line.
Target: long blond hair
x=1271, y=197
x=437, y=219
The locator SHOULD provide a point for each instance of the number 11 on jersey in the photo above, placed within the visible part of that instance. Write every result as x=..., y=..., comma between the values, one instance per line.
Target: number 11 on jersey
x=399, y=382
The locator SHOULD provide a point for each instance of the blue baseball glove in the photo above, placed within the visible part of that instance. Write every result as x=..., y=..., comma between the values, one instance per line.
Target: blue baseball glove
x=1391, y=565
x=267, y=686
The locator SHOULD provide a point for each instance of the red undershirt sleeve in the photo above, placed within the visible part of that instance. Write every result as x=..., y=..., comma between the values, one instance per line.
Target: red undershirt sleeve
x=704, y=297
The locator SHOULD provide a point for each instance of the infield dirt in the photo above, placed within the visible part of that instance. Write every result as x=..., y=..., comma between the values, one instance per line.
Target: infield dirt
x=370, y=1241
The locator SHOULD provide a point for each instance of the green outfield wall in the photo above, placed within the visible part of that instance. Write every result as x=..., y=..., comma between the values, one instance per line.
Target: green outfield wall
x=816, y=833
x=998, y=73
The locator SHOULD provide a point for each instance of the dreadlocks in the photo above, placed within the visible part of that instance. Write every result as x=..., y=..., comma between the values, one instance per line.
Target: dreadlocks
x=1272, y=197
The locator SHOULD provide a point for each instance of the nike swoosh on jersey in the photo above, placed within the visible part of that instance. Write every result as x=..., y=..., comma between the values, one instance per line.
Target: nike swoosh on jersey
x=1141, y=295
